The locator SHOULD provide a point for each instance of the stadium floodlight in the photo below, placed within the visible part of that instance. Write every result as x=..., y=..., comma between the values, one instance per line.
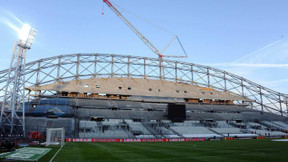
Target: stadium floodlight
x=14, y=96
x=26, y=36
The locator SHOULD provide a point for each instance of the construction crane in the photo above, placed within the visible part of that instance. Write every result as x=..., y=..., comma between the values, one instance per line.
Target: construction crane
x=142, y=37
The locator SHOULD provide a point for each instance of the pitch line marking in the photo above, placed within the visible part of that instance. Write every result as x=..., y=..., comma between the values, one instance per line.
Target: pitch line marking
x=57, y=153
x=106, y=148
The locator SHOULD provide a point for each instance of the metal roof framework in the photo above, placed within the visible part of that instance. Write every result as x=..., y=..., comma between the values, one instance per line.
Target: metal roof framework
x=85, y=66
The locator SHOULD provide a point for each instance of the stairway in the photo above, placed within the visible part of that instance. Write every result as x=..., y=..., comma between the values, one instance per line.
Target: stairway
x=129, y=134
x=175, y=132
x=216, y=132
x=151, y=130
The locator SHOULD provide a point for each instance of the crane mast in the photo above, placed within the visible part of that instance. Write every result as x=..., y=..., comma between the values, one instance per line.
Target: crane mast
x=141, y=36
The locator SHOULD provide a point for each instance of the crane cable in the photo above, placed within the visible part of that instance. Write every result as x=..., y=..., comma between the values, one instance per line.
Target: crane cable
x=145, y=20
x=102, y=8
x=153, y=24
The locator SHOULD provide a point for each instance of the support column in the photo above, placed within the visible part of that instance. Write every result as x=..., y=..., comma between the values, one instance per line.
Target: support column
x=280, y=105
x=112, y=66
x=58, y=69
x=208, y=78
x=176, y=75
x=128, y=67
x=77, y=67
x=261, y=100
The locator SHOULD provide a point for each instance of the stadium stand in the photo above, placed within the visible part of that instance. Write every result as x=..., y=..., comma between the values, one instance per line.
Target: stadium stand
x=194, y=131
x=106, y=129
x=135, y=119
x=262, y=132
x=281, y=124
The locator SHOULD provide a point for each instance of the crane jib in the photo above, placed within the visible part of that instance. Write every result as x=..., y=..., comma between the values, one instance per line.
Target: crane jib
x=141, y=36
x=108, y=3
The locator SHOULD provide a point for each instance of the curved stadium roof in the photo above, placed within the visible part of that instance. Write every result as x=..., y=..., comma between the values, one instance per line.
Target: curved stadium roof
x=64, y=68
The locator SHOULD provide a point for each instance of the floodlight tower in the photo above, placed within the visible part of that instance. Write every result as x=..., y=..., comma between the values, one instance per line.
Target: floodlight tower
x=13, y=107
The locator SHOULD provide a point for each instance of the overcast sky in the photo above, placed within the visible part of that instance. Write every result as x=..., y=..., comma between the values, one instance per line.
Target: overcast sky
x=245, y=37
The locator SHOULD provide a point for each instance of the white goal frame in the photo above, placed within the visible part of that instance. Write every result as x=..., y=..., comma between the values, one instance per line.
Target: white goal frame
x=53, y=135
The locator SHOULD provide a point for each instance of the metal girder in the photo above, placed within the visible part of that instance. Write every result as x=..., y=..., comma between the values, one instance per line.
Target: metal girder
x=85, y=66
x=12, y=119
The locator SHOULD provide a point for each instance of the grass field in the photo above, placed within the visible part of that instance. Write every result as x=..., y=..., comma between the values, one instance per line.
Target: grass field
x=238, y=150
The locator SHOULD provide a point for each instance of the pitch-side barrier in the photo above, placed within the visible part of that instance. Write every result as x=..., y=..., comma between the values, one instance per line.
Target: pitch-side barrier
x=135, y=140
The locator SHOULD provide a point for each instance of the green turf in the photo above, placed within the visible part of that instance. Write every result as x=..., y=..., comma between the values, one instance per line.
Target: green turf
x=238, y=150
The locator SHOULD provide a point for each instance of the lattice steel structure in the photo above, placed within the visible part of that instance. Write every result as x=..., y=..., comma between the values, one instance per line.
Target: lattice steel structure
x=84, y=66
x=12, y=109
x=12, y=119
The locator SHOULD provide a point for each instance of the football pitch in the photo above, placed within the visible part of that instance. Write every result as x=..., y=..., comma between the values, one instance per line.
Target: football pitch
x=237, y=150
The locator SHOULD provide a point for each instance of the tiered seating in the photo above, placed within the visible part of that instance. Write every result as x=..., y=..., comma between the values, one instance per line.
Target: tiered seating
x=227, y=130
x=240, y=124
x=166, y=132
x=111, y=122
x=263, y=132
x=137, y=126
x=194, y=131
x=254, y=124
x=123, y=114
x=87, y=124
x=187, y=123
x=281, y=124
x=272, y=125
x=92, y=129
x=223, y=124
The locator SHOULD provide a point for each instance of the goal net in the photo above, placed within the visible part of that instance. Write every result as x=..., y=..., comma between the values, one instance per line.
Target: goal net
x=55, y=136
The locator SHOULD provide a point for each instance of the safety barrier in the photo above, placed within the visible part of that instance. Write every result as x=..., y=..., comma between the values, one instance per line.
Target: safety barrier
x=135, y=140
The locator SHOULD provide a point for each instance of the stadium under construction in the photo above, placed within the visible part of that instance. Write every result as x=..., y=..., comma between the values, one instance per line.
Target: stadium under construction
x=127, y=97
x=107, y=96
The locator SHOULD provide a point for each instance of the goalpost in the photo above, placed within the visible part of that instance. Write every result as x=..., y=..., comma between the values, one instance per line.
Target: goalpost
x=55, y=136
